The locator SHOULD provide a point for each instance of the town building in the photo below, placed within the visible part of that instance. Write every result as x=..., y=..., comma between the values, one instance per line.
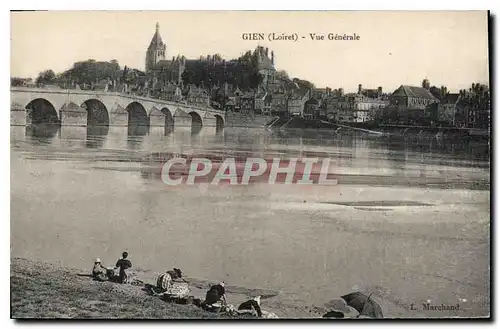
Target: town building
x=297, y=101
x=359, y=107
x=312, y=109
x=247, y=103
x=340, y=108
x=196, y=95
x=414, y=104
x=449, y=108
x=474, y=108
x=171, y=92
x=263, y=101
x=279, y=103
x=368, y=103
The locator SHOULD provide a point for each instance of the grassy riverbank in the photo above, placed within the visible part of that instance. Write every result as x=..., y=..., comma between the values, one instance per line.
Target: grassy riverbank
x=42, y=290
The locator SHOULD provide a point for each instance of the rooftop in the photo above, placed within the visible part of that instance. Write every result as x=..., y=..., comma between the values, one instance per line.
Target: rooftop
x=451, y=98
x=412, y=91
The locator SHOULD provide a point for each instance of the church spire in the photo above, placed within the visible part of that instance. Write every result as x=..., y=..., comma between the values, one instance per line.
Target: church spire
x=156, y=41
x=156, y=50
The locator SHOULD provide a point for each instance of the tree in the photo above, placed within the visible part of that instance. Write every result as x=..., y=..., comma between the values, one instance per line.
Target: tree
x=436, y=92
x=282, y=75
x=90, y=71
x=15, y=81
x=426, y=84
x=304, y=83
x=479, y=88
x=46, y=77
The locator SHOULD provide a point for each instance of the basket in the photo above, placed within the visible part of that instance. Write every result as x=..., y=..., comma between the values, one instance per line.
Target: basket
x=178, y=289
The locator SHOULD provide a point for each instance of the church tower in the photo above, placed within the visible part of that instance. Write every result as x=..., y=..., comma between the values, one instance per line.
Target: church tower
x=156, y=51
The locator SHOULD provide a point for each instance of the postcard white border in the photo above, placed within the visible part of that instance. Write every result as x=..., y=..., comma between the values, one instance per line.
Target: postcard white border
x=185, y=5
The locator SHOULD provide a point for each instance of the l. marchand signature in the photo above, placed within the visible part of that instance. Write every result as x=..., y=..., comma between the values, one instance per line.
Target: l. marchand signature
x=435, y=307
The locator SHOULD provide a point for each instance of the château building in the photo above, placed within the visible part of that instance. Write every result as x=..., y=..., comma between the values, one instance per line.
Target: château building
x=265, y=66
x=220, y=71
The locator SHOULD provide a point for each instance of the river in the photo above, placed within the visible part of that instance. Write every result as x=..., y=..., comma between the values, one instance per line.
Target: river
x=420, y=235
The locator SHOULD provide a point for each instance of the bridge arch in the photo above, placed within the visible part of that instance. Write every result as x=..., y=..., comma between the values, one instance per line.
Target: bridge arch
x=138, y=119
x=97, y=113
x=40, y=110
x=196, y=121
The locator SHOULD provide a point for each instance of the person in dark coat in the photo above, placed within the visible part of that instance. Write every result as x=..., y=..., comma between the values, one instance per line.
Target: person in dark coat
x=216, y=294
x=252, y=305
x=123, y=264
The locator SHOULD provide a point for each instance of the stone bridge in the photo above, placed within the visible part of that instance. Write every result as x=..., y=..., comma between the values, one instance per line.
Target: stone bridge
x=31, y=106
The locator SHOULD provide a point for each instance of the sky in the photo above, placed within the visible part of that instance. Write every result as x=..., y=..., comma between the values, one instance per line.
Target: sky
x=449, y=48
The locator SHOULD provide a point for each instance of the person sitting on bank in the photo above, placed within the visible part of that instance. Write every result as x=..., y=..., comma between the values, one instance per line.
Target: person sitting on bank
x=123, y=264
x=216, y=294
x=165, y=280
x=99, y=272
x=251, y=306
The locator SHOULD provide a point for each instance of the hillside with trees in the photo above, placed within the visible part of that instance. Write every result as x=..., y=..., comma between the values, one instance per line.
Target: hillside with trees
x=88, y=72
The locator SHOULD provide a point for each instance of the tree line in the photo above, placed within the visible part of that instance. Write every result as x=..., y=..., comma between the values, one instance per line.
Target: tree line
x=206, y=72
x=86, y=72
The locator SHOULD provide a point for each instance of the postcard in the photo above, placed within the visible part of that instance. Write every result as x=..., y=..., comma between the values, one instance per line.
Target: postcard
x=250, y=164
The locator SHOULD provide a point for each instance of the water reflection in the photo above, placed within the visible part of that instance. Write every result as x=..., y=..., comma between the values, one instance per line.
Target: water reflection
x=219, y=136
x=169, y=129
x=345, y=149
x=43, y=133
x=135, y=129
x=195, y=130
x=96, y=136
x=464, y=149
x=135, y=142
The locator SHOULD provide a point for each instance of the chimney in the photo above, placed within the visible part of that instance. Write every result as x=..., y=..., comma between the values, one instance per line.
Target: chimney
x=360, y=89
x=267, y=51
x=341, y=91
x=272, y=57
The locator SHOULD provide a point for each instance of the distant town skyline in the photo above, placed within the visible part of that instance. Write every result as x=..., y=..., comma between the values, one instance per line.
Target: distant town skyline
x=449, y=48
